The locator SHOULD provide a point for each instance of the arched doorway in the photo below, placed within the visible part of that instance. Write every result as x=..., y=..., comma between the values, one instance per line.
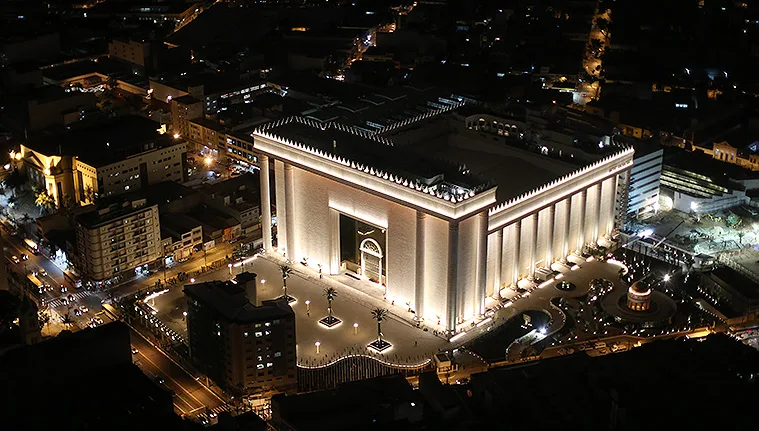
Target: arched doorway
x=371, y=260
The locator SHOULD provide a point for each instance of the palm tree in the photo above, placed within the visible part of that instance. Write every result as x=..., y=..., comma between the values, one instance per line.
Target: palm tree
x=286, y=271
x=44, y=201
x=379, y=314
x=331, y=294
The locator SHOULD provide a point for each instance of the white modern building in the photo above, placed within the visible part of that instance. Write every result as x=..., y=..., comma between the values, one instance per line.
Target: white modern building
x=645, y=179
x=430, y=234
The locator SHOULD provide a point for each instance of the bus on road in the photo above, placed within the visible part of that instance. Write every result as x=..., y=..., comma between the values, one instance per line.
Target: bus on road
x=31, y=245
x=36, y=282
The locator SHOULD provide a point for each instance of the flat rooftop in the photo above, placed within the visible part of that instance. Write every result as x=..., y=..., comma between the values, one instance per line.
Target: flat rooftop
x=104, y=142
x=107, y=214
x=376, y=152
x=229, y=300
x=515, y=171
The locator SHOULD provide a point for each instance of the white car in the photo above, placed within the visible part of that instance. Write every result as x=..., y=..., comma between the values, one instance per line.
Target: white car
x=15, y=259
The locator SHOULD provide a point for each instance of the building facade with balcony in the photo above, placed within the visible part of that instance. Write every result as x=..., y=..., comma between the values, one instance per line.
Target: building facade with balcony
x=114, y=240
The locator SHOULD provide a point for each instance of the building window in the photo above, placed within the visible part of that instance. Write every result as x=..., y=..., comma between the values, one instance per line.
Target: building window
x=260, y=366
x=269, y=365
x=258, y=334
x=277, y=354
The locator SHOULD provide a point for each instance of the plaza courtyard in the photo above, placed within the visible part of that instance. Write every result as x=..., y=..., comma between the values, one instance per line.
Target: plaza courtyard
x=411, y=345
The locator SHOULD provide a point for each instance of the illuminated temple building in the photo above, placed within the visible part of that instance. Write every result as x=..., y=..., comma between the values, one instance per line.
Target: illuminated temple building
x=383, y=206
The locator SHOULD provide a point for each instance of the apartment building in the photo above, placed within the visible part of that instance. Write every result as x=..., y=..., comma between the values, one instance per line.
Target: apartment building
x=116, y=239
x=243, y=345
x=183, y=110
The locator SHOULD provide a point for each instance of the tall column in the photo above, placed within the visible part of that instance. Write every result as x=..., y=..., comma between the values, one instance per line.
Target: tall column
x=498, y=265
x=551, y=235
x=517, y=247
x=612, y=203
x=567, y=219
x=534, y=240
x=334, y=242
x=453, y=257
x=280, y=196
x=420, y=262
x=599, y=206
x=265, y=201
x=290, y=207
x=581, y=229
x=482, y=262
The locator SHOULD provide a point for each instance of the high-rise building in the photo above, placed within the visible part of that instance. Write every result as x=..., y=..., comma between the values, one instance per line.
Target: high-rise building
x=240, y=344
x=116, y=239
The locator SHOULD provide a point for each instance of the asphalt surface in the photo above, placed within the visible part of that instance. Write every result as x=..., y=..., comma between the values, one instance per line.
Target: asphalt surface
x=14, y=246
x=191, y=397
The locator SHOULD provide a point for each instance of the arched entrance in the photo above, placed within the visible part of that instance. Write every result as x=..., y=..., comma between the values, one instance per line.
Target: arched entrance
x=371, y=260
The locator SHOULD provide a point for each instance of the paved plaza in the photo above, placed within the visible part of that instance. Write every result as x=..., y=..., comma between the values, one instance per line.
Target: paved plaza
x=410, y=345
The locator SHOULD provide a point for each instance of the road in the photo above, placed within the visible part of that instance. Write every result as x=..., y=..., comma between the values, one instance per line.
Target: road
x=14, y=246
x=191, y=397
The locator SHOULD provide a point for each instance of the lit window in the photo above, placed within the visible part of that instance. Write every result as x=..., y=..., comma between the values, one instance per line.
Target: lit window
x=268, y=323
x=269, y=365
x=277, y=354
x=246, y=334
x=258, y=334
x=260, y=366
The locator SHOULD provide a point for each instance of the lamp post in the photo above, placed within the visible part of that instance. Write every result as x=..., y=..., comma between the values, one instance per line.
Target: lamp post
x=355, y=328
x=317, y=344
x=308, y=306
x=229, y=265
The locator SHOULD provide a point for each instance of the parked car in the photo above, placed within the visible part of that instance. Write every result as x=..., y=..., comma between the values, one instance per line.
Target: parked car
x=15, y=259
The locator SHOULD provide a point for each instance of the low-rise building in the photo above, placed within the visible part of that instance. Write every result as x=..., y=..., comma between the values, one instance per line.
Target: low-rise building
x=645, y=178
x=239, y=198
x=181, y=236
x=243, y=345
x=122, y=237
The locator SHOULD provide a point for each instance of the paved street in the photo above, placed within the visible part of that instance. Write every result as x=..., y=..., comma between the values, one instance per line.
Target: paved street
x=14, y=246
x=191, y=397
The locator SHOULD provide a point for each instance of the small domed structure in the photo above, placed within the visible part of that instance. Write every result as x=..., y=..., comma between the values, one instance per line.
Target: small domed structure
x=639, y=297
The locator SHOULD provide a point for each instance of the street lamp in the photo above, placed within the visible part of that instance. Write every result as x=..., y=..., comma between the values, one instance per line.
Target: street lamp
x=355, y=328
x=184, y=315
x=308, y=306
x=317, y=344
x=208, y=161
x=229, y=265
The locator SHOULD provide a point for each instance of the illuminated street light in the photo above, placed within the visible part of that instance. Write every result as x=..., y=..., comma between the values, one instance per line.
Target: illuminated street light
x=308, y=306
x=317, y=344
x=208, y=161
x=355, y=328
x=666, y=277
x=229, y=265
x=176, y=135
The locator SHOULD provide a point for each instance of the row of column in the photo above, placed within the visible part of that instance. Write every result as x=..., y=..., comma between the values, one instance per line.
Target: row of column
x=549, y=214
x=285, y=200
